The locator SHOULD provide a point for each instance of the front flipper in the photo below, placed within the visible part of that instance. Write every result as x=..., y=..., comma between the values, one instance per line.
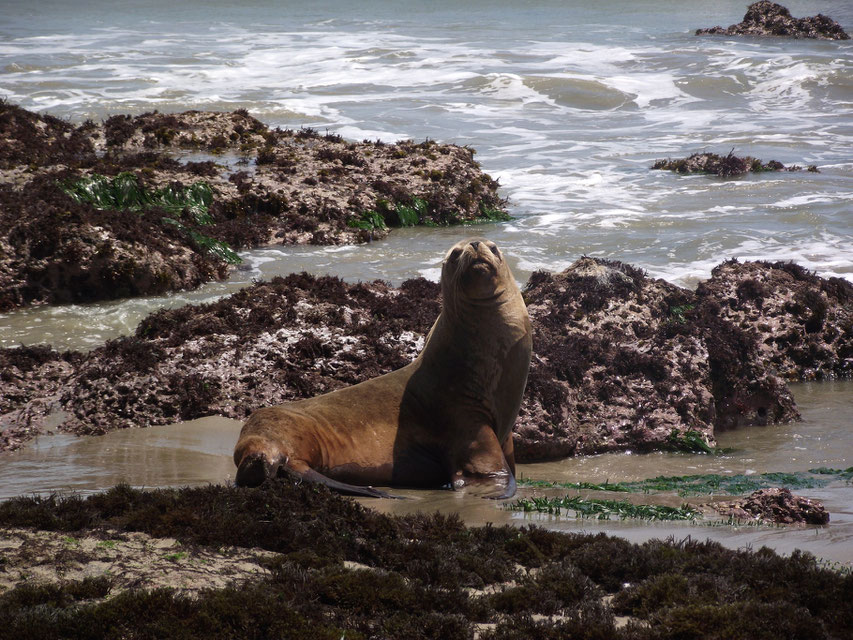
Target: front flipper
x=483, y=464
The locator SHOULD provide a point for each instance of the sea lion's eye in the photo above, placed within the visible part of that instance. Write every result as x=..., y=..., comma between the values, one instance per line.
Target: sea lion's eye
x=494, y=249
x=454, y=255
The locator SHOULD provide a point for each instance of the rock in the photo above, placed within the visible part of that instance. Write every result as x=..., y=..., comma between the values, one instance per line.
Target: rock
x=770, y=19
x=724, y=166
x=775, y=505
x=292, y=187
x=802, y=323
x=621, y=361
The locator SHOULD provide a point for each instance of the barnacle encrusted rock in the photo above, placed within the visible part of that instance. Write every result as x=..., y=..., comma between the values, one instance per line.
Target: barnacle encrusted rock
x=775, y=505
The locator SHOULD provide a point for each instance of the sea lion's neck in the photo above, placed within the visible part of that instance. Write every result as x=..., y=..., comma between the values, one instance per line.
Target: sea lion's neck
x=472, y=338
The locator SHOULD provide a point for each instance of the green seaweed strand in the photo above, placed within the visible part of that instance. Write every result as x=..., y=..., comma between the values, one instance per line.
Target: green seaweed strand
x=123, y=193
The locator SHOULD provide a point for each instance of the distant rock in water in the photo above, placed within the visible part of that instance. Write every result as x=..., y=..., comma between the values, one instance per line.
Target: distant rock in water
x=775, y=505
x=725, y=166
x=770, y=19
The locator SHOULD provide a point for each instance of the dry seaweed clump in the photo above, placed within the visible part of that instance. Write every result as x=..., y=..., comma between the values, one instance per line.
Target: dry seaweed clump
x=767, y=18
x=777, y=505
x=31, y=139
x=335, y=569
x=70, y=233
x=624, y=361
x=724, y=166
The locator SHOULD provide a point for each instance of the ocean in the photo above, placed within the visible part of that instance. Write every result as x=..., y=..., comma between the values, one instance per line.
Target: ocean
x=568, y=104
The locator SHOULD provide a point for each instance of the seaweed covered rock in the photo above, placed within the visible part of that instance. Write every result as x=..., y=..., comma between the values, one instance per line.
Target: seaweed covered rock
x=31, y=379
x=30, y=139
x=290, y=338
x=767, y=18
x=624, y=361
x=802, y=323
x=724, y=166
x=56, y=250
x=69, y=232
x=775, y=505
x=621, y=361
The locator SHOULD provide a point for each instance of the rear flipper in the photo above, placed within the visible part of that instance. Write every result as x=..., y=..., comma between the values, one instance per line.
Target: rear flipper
x=256, y=467
x=341, y=487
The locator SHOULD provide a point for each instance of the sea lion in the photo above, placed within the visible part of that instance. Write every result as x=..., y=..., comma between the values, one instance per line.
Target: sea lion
x=445, y=418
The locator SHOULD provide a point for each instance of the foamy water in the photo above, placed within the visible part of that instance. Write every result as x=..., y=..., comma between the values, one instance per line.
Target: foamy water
x=568, y=105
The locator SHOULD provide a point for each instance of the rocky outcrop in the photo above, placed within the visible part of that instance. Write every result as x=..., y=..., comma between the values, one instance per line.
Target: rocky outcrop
x=724, y=166
x=267, y=186
x=770, y=19
x=778, y=506
x=621, y=361
x=802, y=324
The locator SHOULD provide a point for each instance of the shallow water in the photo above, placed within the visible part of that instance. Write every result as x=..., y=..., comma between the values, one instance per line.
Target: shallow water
x=198, y=452
x=567, y=103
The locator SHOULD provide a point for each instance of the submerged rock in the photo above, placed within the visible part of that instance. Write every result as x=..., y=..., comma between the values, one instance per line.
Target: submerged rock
x=267, y=186
x=775, y=505
x=770, y=19
x=621, y=361
x=724, y=166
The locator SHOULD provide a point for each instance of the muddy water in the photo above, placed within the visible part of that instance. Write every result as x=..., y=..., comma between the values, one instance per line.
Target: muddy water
x=199, y=452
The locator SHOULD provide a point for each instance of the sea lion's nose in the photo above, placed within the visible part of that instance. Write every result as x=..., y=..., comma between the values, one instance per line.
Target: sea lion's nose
x=475, y=244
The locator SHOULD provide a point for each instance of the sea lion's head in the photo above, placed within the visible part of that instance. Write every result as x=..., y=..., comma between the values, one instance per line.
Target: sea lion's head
x=474, y=270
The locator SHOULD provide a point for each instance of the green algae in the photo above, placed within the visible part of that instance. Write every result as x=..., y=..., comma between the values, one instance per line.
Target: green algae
x=690, y=441
x=603, y=509
x=123, y=192
x=592, y=486
x=689, y=485
x=369, y=220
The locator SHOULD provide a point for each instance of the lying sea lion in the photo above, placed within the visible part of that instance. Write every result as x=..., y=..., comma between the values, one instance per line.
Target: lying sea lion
x=444, y=418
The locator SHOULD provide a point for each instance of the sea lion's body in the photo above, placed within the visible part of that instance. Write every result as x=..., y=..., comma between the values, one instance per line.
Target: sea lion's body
x=446, y=417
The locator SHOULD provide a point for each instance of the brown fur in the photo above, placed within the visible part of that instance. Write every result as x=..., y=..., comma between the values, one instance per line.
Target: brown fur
x=446, y=417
